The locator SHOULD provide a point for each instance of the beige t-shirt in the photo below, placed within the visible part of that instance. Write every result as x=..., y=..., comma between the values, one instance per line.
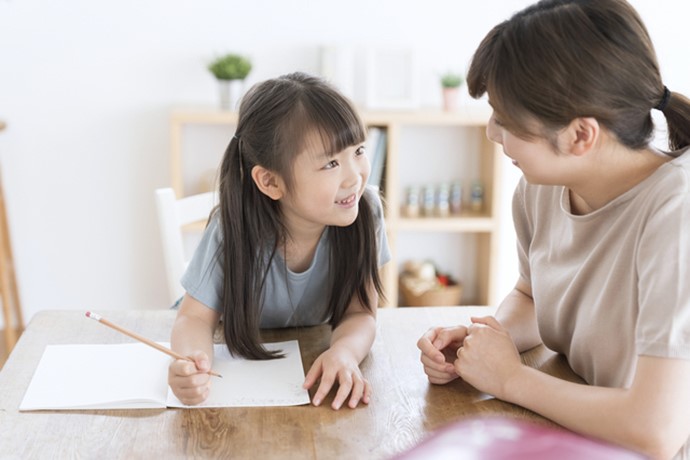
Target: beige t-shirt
x=613, y=284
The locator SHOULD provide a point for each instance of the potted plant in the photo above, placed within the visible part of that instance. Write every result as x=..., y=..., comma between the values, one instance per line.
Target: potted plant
x=230, y=70
x=451, y=83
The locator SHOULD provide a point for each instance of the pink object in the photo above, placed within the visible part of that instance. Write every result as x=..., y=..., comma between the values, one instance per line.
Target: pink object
x=499, y=438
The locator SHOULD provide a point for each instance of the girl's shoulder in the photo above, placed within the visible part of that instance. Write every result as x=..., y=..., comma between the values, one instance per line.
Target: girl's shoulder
x=372, y=195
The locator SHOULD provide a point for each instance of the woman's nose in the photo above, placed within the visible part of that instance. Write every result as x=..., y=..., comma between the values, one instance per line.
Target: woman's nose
x=493, y=131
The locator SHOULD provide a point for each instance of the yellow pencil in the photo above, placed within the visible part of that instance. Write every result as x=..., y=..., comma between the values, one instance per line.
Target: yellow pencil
x=144, y=340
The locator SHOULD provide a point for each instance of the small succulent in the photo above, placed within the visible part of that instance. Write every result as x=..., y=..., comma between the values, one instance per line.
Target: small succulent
x=230, y=67
x=451, y=80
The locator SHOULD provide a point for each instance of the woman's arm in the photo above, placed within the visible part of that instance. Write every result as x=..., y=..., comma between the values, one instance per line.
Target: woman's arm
x=650, y=417
x=351, y=341
x=516, y=314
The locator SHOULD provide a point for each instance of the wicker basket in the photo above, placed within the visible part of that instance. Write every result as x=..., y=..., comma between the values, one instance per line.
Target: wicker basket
x=444, y=296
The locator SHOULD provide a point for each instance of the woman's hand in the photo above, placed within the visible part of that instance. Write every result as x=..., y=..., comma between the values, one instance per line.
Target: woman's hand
x=190, y=381
x=488, y=357
x=439, y=346
x=338, y=364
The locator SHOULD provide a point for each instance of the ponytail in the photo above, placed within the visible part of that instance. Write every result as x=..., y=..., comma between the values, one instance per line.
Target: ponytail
x=677, y=113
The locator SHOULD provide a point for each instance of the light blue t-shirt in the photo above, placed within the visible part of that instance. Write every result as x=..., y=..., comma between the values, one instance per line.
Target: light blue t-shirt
x=290, y=299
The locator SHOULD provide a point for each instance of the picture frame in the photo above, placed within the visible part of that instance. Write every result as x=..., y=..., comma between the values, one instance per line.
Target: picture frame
x=392, y=78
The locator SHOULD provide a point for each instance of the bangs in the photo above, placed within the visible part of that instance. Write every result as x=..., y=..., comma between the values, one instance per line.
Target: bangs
x=335, y=128
x=335, y=122
x=322, y=124
x=521, y=84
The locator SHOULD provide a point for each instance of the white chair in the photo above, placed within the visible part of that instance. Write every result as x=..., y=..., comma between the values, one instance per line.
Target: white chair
x=173, y=215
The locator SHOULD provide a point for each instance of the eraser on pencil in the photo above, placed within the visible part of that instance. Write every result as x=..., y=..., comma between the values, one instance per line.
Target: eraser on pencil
x=93, y=316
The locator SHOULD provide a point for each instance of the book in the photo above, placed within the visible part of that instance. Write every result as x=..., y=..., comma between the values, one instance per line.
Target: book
x=135, y=376
x=502, y=438
x=376, y=148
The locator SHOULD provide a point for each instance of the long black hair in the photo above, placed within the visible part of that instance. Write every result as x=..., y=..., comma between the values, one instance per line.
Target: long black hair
x=275, y=119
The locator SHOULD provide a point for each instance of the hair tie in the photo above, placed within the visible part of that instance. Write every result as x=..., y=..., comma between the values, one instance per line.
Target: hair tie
x=664, y=100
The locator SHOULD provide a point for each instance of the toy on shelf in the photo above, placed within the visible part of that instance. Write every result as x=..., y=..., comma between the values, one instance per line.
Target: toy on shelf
x=422, y=285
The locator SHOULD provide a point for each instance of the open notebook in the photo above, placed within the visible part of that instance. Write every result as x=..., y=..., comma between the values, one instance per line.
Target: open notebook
x=135, y=376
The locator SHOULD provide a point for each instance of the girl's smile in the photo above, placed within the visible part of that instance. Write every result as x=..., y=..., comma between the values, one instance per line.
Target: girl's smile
x=348, y=202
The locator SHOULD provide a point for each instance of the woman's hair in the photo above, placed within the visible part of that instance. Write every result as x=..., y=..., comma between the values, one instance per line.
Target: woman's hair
x=559, y=60
x=276, y=120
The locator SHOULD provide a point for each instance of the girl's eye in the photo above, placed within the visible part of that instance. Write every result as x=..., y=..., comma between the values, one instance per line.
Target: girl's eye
x=331, y=164
x=498, y=122
x=360, y=151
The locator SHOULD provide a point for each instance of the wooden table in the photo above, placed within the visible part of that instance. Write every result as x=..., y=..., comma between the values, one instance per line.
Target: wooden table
x=404, y=409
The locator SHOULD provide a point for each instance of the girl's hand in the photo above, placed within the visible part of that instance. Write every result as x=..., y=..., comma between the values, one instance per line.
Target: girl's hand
x=439, y=347
x=488, y=358
x=338, y=363
x=190, y=381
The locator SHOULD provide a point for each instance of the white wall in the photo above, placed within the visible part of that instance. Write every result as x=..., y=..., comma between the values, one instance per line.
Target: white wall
x=87, y=88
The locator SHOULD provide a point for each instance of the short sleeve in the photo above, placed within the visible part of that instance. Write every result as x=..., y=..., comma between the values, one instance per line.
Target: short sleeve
x=663, y=265
x=523, y=230
x=203, y=278
x=384, y=253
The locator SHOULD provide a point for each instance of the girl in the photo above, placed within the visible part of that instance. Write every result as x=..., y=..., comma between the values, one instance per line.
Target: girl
x=602, y=224
x=296, y=240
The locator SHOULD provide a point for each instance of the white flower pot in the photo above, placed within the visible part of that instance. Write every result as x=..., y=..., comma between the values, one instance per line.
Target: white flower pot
x=231, y=92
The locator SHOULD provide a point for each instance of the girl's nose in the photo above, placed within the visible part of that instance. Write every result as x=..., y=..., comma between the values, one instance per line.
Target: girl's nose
x=354, y=172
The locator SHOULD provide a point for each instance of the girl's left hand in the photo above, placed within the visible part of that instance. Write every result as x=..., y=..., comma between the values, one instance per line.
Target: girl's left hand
x=338, y=363
x=488, y=357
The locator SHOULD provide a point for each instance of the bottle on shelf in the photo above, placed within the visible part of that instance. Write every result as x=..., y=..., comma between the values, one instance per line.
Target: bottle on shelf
x=429, y=200
x=411, y=208
x=455, y=200
x=443, y=201
x=477, y=196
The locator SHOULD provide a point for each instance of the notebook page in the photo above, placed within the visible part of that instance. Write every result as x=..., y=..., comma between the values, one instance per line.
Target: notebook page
x=276, y=382
x=98, y=376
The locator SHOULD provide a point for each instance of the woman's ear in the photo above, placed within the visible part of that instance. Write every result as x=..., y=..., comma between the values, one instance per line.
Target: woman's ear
x=268, y=182
x=581, y=135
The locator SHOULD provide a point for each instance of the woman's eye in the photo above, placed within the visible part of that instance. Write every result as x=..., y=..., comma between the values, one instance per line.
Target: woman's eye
x=498, y=122
x=331, y=164
x=360, y=151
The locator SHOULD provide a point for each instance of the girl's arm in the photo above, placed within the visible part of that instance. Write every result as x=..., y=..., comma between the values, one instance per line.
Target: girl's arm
x=650, y=417
x=350, y=343
x=192, y=335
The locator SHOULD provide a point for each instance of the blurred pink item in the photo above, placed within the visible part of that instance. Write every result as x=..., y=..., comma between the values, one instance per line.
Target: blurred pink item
x=500, y=438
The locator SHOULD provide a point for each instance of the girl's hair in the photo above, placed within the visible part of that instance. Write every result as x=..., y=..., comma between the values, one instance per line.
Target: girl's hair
x=276, y=120
x=562, y=59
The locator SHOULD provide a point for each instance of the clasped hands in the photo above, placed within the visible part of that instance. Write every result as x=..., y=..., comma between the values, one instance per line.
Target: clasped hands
x=482, y=354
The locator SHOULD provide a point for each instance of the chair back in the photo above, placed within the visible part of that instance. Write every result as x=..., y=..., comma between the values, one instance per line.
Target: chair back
x=175, y=221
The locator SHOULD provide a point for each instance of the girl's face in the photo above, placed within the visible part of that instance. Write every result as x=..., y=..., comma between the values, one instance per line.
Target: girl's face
x=326, y=188
x=536, y=158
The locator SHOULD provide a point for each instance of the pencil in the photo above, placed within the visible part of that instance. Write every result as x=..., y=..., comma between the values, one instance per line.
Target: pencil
x=144, y=340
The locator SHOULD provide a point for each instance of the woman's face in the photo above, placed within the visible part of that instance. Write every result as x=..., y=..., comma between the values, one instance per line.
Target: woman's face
x=537, y=158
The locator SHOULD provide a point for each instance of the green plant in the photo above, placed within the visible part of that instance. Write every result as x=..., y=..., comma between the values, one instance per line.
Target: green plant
x=230, y=67
x=451, y=80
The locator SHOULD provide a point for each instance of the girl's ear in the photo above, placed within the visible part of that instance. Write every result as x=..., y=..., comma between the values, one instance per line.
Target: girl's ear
x=268, y=182
x=582, y=135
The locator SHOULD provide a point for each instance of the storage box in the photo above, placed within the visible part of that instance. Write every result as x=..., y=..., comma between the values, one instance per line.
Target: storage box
x=437, y=297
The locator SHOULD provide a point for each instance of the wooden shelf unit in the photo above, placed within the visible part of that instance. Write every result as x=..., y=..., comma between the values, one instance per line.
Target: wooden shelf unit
x=483, y=226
